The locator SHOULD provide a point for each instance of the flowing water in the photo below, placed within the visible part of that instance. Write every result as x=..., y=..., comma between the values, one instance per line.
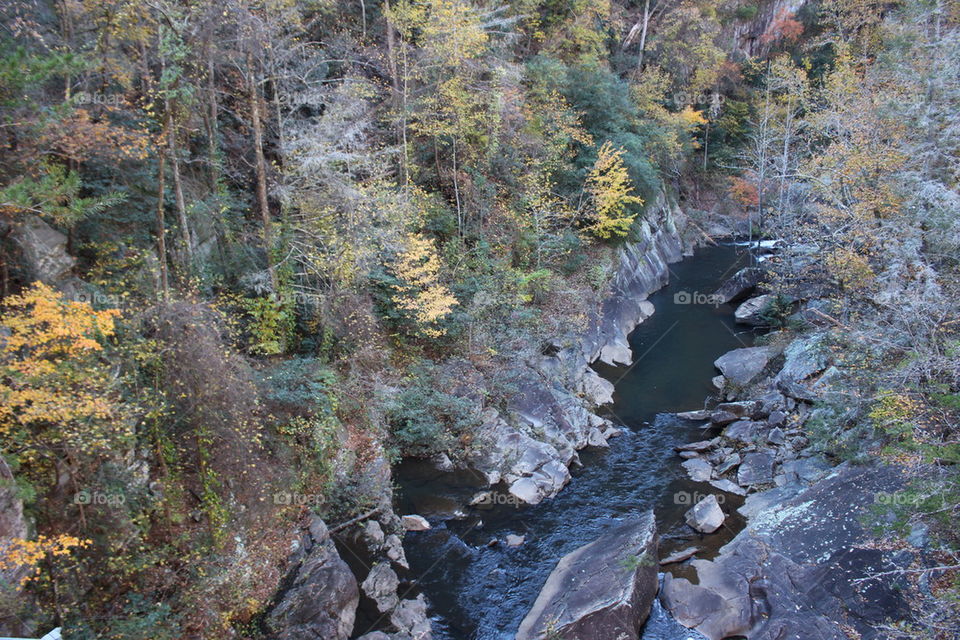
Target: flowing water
x=481, y=592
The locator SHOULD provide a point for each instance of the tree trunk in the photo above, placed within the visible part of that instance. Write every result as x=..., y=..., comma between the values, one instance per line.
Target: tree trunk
x=391, y=54
x=211, y=121
x=261, y=165
x=643, y=34
x=178, y=190
x=161, y=227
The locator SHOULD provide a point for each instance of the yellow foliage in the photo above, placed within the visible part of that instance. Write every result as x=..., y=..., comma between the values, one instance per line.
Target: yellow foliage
x=18, y=554
x=691, y=117
x=610, y=189
x=55, y=390
x=851, y=269
x=420, y=292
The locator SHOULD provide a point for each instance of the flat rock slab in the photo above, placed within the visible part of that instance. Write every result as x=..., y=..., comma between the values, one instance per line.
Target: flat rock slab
x=601, y=591
x=699, y=414
x=680, y=556
x=756, y=468
x=791, y=573
x=414, y=523
x=728, y=486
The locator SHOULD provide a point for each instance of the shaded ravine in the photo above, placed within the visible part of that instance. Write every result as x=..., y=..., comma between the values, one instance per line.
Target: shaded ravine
x=481, y=592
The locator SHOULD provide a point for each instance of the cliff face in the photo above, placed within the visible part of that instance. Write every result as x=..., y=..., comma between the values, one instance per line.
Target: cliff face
x=746, y=36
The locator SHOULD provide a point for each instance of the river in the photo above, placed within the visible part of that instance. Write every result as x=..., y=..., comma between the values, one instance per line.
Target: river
x=481, y=592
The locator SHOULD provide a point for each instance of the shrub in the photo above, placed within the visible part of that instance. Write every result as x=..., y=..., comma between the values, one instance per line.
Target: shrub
x=424, y=419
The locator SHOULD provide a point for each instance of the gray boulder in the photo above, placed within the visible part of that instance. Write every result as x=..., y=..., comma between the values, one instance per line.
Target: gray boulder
x=43, y=249
x=744, y=431
x=751, y=311
x=803, y=358
x=601, y=591
x=706, y=516
x=410, y=619
x=741, y=366
x=739, y=285
x=381, y=587
x=698, y=469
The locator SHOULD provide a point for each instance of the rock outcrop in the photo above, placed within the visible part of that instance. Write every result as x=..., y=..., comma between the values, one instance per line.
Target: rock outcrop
x=43, y=252
x=602, y=590
x=805, y=565
x=790, y=574
x=13, y=525
x=321, y=602
x=739, y=286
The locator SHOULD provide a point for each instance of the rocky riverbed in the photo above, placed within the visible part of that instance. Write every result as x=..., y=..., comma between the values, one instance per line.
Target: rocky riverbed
x=771, y=544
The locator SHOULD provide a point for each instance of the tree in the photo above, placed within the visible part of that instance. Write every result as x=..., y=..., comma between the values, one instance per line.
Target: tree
x=419, y=291
x=59, y=402
x=609, y=187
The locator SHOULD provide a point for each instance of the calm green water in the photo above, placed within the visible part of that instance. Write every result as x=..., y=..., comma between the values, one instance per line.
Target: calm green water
x=482, y=593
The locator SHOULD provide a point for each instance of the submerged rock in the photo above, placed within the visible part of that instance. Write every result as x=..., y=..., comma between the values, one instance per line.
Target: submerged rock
x=602, y=590
x=513, y=540
x=700, y=414
x=680, y=556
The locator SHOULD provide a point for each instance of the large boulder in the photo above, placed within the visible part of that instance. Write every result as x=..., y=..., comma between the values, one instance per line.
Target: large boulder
x=321, y=603
x=381, y=587
x=741, y=366
x=43, y=254
x=601, y=591
x=739, y=285
x=803, y=358
x=751, y=311
x=756, y=468
x=706, y=516
x=411, y=620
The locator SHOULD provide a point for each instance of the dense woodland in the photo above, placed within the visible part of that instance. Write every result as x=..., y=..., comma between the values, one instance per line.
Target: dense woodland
x=285, y=221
